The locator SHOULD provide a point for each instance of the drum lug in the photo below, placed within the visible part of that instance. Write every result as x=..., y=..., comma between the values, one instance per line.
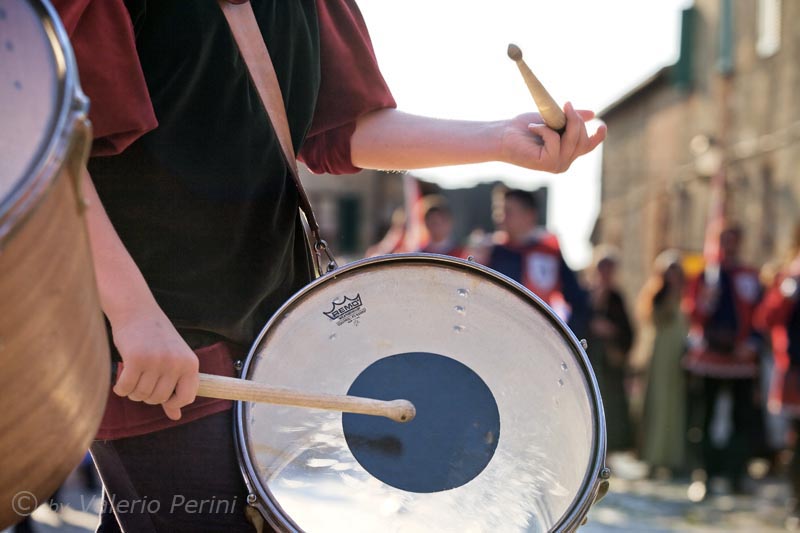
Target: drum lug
x=79, y=148
x=254, y=515
x=602, y=490
x=237, y=365
x=584, y=344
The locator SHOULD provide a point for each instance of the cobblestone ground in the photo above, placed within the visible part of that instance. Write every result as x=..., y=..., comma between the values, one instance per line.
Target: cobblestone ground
x=634, y=504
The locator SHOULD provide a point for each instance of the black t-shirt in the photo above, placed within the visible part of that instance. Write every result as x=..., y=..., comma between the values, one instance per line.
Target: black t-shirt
x=204, y=203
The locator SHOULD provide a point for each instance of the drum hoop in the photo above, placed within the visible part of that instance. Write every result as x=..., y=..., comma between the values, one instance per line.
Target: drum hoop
x=71, y=105
x=261, y=497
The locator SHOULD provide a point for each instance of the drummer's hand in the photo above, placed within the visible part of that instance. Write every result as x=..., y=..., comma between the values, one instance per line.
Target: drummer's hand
x=529, y=143
x=158, y=365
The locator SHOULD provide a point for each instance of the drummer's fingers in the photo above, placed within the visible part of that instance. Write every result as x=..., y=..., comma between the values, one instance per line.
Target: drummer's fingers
x=581, y=147
x=126, y=383
x=185, y=393
x=550, y=145
x=596, y=138
x=590, y=142
x=571, y=137
x=173, y=413
x=145, y=386
x=163, y=390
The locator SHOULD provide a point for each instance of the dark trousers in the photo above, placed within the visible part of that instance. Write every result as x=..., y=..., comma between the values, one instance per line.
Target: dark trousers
x=730, y=460
x=185, y=478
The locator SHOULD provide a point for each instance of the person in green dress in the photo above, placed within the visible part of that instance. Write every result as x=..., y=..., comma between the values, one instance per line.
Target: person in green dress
x=664, y=420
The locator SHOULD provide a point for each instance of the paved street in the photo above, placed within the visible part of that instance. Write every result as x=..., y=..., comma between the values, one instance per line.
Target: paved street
x=634, y=504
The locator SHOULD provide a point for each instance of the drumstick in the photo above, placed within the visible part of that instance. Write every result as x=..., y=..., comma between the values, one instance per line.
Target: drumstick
x=552, y=115
x=226, y=388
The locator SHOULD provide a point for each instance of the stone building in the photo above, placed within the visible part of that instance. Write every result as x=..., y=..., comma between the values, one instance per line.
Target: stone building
x=730, y=103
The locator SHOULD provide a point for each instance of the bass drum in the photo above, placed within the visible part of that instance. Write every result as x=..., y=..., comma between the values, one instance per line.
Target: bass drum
x=509, y=433
x=54, y=364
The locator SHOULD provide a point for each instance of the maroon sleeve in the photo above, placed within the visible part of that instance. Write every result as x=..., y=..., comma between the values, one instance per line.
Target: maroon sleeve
x=351, y=86
x=775, y=309
x=102, y=37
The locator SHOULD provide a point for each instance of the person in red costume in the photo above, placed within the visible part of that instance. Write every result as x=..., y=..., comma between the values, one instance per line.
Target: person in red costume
x=439, y=223
x=532, y=256
x=779, y=317
x=723, y=352
x=193, y=215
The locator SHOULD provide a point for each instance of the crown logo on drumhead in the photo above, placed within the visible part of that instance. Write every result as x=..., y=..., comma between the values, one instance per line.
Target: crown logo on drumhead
x=344, y=308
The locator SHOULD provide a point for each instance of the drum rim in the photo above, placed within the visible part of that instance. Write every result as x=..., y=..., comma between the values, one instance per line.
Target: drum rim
x=70, y=105
x=261, y=497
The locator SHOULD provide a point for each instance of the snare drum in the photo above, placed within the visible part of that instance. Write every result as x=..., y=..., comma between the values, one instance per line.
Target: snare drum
x=509, y=433
x=54, y=365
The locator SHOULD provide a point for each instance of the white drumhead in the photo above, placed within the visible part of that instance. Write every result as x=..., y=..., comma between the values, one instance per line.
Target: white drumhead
x=551, y=435
x=31, y=71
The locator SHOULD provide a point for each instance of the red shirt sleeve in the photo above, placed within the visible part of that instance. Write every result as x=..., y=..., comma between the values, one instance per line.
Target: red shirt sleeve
x=351, y=86
x=102, y=37
x=775, y=309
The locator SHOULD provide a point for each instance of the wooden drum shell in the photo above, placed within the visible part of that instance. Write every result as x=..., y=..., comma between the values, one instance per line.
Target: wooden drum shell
x=54, y=352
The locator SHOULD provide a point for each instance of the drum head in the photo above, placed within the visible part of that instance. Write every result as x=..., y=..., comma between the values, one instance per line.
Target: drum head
x=509, y=434
x=32, y=86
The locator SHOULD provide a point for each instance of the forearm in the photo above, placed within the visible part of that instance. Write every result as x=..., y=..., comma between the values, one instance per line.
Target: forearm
x=392, y=140
x=160, y=368
x=121, y=286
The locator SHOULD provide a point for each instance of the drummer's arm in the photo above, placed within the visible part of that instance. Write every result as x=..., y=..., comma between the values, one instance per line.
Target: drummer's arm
x=157, y=361
x=392, y=140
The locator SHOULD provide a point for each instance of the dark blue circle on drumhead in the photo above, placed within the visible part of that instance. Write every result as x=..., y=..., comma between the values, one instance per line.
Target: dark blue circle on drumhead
x=450, y=441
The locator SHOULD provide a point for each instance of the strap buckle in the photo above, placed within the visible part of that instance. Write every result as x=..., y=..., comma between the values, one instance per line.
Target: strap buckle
x=321, y=247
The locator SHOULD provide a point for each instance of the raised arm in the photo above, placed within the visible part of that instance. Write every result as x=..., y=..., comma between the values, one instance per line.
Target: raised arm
x=392, y=140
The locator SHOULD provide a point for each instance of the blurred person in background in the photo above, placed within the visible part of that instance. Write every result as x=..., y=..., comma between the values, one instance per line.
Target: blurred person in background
x=664, y=418
x=723, y=352
x=530, y=255
x=779, y=316
x=392, y=240
x=439, y=223
x=610, y=340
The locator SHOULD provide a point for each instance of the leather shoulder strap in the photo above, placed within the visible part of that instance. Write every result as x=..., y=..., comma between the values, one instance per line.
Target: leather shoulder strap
x=253, y=50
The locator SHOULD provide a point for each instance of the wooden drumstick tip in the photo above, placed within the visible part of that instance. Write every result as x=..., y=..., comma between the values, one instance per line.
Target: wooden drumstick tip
x=551, y=113
x=401, y=411
x=514, y=52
